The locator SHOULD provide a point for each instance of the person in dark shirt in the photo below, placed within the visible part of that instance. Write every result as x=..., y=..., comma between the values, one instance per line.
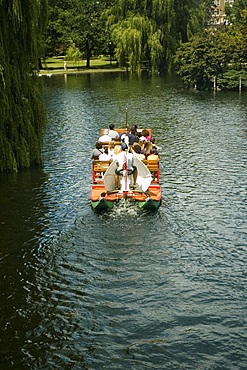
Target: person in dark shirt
x=97, y=150
x=133, y=138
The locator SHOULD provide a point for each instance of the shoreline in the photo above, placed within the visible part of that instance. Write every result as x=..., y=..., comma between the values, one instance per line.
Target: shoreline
x=47, y=72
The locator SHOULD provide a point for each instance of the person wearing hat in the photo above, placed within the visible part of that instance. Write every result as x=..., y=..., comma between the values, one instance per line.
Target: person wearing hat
x=112, y=133
x=105, y=138
x=125, y=157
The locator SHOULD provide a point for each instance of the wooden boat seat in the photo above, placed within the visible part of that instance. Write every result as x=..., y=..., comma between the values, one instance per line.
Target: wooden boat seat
x=154, y=168
x=99, y=169
x=121, y=130
x=106, y=144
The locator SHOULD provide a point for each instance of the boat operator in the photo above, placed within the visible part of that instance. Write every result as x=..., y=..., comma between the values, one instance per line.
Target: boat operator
x=125, y=160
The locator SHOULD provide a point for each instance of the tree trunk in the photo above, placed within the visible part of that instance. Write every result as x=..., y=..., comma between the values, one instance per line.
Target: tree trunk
x=88, y=54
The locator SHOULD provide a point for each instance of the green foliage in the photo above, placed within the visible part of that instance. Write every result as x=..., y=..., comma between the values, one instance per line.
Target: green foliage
x=138, y=31
x=157, y=25
x=231, y=79
x=73, y=53
x=58, y=33
x=198, y=19
x=234, y=11
x=77, y=22
x=22, y=115
x=156, y=50
x=127, y=36
x=207, y=56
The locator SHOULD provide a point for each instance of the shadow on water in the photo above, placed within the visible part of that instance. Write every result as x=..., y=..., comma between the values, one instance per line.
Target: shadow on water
x=22, y=222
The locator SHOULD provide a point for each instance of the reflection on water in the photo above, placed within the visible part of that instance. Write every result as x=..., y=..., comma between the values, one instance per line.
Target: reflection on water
x=127, y=288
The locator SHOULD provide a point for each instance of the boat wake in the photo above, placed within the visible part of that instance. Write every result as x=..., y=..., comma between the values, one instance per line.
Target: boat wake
x=125, y=207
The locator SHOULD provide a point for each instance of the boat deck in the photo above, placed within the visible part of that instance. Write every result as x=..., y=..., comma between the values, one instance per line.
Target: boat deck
x=98, y=191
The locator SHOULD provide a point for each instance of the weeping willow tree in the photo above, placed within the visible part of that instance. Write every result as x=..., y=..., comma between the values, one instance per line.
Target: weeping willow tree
x=151, y=30
x=22, y=116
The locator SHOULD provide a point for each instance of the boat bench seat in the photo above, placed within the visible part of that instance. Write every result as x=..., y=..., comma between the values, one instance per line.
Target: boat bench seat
x=99, y=169
x=122, y=130
x=106, y=143
x=154, y=168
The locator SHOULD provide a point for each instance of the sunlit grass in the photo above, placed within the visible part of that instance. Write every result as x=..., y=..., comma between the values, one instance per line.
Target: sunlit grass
x=57, y=63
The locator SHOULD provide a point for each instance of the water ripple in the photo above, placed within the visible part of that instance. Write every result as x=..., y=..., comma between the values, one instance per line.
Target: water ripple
x=127, y=288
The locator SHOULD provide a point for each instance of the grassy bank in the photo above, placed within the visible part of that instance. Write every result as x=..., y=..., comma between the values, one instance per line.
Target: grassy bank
x=56, y=65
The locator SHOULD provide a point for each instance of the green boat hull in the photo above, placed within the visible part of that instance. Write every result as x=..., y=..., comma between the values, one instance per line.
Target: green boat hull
x=102, y=204
x=149, y=204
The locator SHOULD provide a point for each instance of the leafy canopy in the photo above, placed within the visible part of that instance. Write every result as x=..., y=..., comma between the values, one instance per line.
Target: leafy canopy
x=22, y=118
x=209, y=55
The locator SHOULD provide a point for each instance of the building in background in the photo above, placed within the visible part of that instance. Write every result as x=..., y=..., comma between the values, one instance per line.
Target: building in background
x=219, y=11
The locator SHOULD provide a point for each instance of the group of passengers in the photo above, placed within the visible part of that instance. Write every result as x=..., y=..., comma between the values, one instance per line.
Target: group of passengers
x=140, y=144
x=123, y=148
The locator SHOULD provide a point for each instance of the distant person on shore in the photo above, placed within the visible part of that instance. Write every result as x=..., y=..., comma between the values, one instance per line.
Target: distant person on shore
x=112, y=133
x=65, y=65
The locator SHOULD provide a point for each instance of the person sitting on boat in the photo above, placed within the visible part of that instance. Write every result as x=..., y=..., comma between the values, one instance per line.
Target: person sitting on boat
x=136, y=150
x=112, y=133
x=97, y=151
x=146, y=149
x=125, y=136
x=105, y=156
x=111, y=147
x=105, y=138
x=157, y=148
x=145, y=135
x=153, y=156
x=125, y=157
x=133, y=138
x=116, y=151
x=135, y=128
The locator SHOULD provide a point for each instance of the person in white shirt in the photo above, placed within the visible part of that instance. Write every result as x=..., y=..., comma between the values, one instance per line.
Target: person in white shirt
x=105, y=156
x=105, y=138
x=124, y=154
x=112, y=133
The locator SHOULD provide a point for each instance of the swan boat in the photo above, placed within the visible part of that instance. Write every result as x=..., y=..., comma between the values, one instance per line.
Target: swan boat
x=146, y=193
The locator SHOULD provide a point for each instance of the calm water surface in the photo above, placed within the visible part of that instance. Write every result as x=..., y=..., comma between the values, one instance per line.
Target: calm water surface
x=128, y=289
